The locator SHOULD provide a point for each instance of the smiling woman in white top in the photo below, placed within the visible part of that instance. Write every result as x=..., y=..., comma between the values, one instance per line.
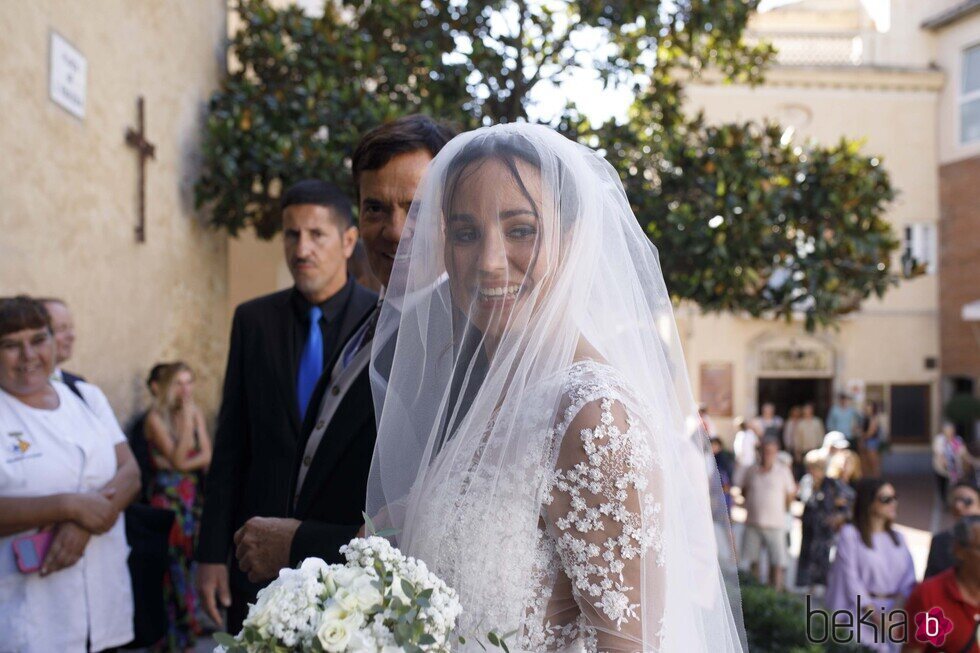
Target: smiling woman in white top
x=65, y=468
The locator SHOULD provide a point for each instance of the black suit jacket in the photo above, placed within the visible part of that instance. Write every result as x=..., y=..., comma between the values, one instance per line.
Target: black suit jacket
x=259, y=425
x=331, y=500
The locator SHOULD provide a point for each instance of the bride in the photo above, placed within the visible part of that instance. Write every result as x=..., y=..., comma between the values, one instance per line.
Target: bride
x=538, y=445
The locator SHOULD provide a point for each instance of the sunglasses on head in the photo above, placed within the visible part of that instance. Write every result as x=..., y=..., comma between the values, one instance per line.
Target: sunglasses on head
x=887, y=499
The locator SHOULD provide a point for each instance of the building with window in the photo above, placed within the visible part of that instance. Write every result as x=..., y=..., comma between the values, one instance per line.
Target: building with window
x=955, y=31
x=882, y=71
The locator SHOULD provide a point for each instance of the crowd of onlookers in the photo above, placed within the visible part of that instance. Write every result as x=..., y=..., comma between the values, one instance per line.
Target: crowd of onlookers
x=69, y=472
x=67, y=475
x=849, y=546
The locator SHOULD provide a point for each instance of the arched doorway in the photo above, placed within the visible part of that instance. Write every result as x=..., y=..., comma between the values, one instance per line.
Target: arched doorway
x=791, y=370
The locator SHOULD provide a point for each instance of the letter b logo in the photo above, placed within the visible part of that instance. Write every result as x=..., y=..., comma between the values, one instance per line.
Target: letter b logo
x=932, y=627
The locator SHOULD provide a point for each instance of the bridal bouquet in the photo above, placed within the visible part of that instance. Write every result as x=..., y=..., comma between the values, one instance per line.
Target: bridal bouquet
x=381, y=601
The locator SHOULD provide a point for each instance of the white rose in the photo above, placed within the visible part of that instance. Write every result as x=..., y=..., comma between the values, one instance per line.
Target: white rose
x=337, y=612
x=365, y=594
x=333, y=635
x=260, y=613
x=346, y=599
x=361, y=642
x=314, y=566
x=346, y=575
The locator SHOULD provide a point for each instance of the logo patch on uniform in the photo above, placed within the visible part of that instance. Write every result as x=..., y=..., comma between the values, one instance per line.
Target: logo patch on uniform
x=19, y=446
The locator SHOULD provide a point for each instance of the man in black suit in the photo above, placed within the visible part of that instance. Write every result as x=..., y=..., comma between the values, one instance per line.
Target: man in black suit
x=334, y=455
x=280, y=344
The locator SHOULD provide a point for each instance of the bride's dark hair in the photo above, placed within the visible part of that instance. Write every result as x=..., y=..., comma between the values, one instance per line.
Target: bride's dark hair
x=466, y=342
x=507, y=149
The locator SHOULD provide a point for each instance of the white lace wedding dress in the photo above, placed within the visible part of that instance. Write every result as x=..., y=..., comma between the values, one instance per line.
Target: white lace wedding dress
x=538, y=445
x=571, y=580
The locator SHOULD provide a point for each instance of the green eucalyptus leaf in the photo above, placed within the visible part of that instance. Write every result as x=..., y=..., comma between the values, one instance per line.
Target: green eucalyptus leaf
x=224, y=639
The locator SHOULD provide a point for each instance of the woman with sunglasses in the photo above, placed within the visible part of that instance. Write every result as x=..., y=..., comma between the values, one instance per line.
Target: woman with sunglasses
x=873, y=566
x=964, y=500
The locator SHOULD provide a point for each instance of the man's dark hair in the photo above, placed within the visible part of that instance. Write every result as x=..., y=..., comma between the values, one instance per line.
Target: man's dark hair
x=770, y=439
x=963, y=528
x=402, y=136
x=22, y=312
x=970, y=485
x=320, y=193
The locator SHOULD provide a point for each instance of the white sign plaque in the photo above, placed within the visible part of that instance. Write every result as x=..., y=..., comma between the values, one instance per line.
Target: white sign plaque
x=68, y=74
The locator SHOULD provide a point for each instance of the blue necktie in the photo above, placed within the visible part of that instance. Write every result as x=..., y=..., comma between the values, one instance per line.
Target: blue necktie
x=311, y=364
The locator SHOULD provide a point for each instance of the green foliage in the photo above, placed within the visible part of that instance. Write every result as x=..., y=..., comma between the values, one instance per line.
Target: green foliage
x=746, y=220
x=775, y=622
x=962, y=409
x=801, y=227
x=302, y=91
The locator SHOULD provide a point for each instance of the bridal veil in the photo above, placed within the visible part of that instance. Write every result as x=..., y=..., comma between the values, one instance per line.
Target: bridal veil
x=538, y=443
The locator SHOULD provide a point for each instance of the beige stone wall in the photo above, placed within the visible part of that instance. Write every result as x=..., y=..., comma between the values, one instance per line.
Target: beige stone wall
x=879, y=349
x=69, y=194
x=256, y=267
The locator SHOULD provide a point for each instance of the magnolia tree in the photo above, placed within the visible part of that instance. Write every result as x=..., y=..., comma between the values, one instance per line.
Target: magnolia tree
x=745, y=219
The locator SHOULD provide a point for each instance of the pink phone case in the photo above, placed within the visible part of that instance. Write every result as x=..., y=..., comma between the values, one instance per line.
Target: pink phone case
x=30, y=550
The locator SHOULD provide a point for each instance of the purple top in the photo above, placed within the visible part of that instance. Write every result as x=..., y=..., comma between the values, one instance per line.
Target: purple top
x=859, y=571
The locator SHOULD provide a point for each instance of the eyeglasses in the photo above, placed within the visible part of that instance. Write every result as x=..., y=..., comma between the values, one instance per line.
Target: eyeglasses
x=965, y=501
x=887, y=499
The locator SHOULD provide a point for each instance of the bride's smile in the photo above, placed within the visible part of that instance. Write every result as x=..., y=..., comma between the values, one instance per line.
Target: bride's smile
x=494, y=253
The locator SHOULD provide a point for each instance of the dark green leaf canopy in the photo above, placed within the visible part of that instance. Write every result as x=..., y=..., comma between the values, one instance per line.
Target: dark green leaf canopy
x=745, y=219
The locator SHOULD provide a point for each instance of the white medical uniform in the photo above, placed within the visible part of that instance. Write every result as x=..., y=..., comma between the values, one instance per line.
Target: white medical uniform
x=42, y=452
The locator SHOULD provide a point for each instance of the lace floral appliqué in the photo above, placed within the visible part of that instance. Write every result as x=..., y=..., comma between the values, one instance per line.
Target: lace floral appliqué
x=614, y=468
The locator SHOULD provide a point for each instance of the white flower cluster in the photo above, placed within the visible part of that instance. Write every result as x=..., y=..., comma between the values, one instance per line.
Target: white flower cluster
x=381, y=601
x=439, y=610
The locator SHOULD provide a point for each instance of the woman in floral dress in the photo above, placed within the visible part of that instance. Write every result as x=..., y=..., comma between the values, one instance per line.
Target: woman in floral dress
x=180, y=448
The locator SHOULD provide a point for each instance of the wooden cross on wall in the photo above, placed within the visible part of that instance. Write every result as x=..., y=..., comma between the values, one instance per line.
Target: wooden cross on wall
x=136, y=138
